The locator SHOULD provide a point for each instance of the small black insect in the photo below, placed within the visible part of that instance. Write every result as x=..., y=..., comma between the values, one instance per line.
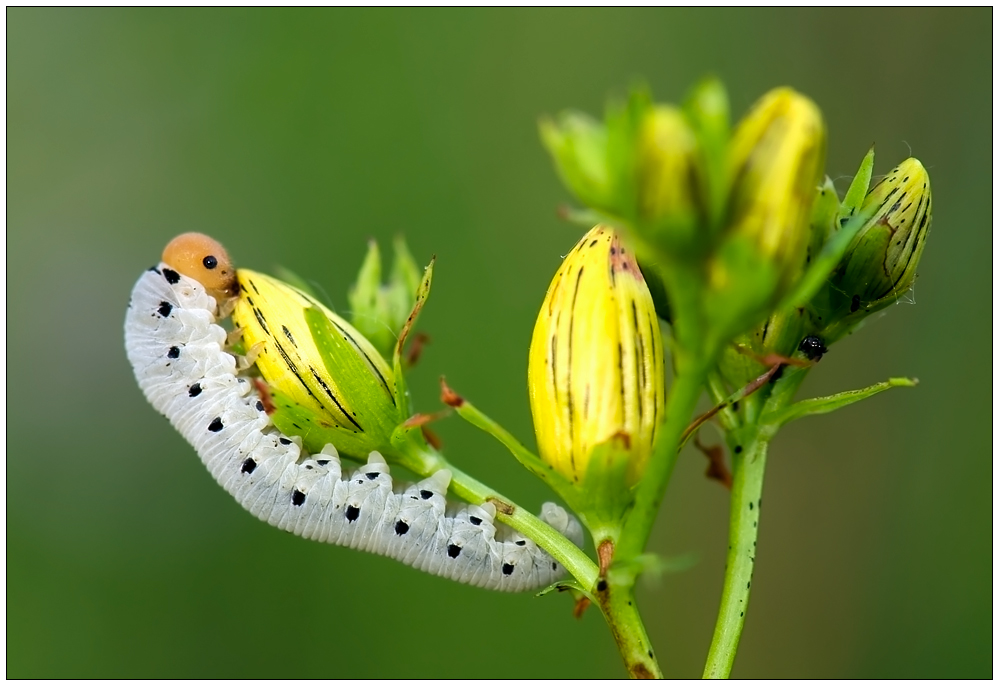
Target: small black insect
x=813, y=348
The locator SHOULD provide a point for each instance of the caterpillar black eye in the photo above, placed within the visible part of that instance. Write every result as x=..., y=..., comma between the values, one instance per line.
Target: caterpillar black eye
x=210, y=262
x=475, y=520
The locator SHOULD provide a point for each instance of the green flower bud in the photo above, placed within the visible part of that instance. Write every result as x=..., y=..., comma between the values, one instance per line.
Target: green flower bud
x=578, y=144
x=595, y=368
x=378, y=310
x=880, y=264
x=706, y=107
x=327, y=383
x=670, y=181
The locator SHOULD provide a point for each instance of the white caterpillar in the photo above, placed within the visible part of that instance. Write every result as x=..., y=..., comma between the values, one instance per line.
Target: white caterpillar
x=177, y=351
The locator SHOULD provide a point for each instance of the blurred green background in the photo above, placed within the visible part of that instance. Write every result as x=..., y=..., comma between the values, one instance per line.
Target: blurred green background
x=293, y=137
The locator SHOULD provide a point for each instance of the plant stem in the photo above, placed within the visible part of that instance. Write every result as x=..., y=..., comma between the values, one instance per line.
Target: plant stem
x=614, y=594
x=617, y=602
x=747, y=490
x=680, y=406
x=578, y=564
x=748, y=447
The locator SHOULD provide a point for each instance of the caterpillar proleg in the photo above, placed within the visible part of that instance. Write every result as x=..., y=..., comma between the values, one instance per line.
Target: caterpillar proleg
x=178, y=352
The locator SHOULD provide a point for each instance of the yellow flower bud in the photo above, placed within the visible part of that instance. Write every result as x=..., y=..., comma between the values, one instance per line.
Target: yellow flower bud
x=328, y=383
x=595, y=370
x=880, y=264
x=670, y=180
x=775, y=163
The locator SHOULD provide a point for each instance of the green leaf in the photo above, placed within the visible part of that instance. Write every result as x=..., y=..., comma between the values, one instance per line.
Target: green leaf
x=831, y=403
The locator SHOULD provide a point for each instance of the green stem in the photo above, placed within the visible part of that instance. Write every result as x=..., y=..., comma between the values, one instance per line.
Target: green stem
x=615, y=597
x=749, y=461
x=617, y=602
x=747, y=490
x=579, y=565
x=680, y=406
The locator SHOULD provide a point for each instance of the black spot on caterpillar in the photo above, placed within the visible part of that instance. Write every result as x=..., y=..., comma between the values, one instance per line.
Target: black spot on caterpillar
x=216, y=409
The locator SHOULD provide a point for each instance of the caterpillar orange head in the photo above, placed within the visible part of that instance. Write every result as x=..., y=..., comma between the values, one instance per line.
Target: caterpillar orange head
x=203, y=259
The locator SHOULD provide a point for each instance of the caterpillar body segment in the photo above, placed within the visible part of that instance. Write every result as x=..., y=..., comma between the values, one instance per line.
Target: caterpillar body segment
x=178, y=353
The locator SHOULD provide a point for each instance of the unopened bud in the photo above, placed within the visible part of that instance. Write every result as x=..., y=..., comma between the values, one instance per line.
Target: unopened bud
x=880, y=264
x=775, y=164
x=328, y=383
x=670, y=181
x=596, y=362
x=578, y=144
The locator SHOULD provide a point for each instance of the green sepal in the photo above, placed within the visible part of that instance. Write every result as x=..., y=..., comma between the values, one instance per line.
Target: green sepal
x=855, y=195
x=422, y=293
x=379, y=310
x=368, y=402
x=818, y=271
x=404, y=281
x=624, y=121
x=741, y=282
x=605, y=495
x=824, y=220
x=363, y=299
